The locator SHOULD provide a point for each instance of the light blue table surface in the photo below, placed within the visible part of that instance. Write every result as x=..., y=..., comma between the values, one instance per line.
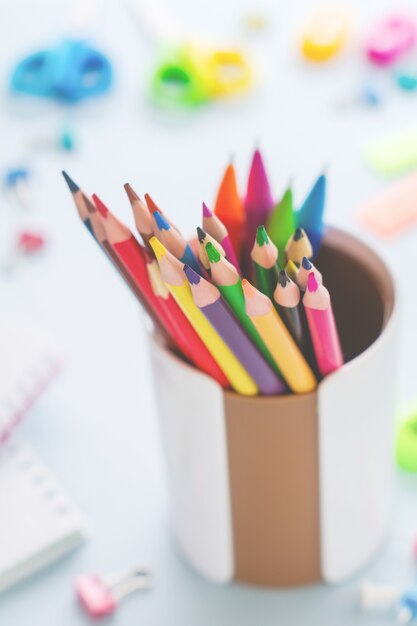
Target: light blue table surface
x=96, y=427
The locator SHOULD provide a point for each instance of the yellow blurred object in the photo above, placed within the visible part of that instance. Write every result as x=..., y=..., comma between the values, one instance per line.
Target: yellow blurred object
x=325, y=34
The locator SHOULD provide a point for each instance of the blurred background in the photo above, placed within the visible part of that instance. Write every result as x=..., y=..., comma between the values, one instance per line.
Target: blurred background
x=96, y=425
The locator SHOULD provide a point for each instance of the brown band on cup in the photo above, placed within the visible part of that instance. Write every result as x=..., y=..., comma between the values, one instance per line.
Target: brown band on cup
x=361, y=289
x=274, y=487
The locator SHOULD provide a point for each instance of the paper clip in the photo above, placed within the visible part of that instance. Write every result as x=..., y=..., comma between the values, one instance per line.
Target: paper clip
x=100, y=595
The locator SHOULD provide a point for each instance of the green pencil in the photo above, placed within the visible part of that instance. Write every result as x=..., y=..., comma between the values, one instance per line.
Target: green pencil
x=282, y=224
x=265, y=256
x=225, y=276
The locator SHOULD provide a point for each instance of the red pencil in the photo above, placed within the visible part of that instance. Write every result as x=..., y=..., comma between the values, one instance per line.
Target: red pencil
x=133, y=256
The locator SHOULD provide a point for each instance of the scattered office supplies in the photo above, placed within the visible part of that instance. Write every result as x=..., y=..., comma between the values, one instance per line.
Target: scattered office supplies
x=325, y=34
x=393, y=211
x=190, y=72
x=390, y=39
x=17, y=184
x=38, y=523
x=394, y=154
x=29, y=359
x=26, y=244
x=100, y=595
x=72, y=71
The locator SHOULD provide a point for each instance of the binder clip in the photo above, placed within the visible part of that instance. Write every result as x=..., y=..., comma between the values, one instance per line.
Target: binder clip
x=100, y=595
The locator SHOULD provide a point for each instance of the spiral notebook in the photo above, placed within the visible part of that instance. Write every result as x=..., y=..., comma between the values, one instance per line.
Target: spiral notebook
x=38, y=523
x=28, y=361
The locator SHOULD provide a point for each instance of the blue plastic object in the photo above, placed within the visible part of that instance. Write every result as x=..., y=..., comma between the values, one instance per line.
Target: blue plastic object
x=71, y=72
x=15, y=175
x=408, y=603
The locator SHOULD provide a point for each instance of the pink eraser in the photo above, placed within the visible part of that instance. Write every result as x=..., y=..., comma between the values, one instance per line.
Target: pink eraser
x=390, y=39
x=94, y=596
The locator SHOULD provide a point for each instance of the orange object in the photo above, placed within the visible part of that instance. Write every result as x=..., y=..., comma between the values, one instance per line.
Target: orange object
x=137, y=262
x=393, y=211
x=229, y=208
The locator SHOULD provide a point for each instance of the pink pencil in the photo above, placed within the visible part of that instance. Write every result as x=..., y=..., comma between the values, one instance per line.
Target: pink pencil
x=216, y=229
x=322, y=326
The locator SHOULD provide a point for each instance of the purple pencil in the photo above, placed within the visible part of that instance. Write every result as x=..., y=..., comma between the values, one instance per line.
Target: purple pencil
x=208, y=299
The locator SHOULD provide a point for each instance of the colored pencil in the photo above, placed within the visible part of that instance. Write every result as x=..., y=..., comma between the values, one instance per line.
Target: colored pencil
x=292, y=270
x=80, y=202
x=310, y=215
x=176, y=281
x=133, y=257
x=141, y=214
x=208, y=299
x=153, y=207
x=291, y=362
x=302, y=274
x=258, y=201
x=322, y=326
x=281, y=223
x=298, y=246
x=174, y=242
x=229, y=209
x=265, y=261
x=287, y=297
x=225, y=276
x=91, y=218
x=194, y=349
x=215, y=227
x=203, y=238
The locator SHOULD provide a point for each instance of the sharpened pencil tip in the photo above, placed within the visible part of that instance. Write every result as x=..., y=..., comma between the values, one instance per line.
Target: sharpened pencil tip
x=299, y=233
x=261, y=236
x=151, y=204
x=283, y=278
x=201, y=234
x=158, y=248
x=161, y=222
x=73, y=187
x=192, y=276
x=248, y=289
x=131, y=194
x=312, y=283
x=206, y=211
x=213, y=254
x=306, y=263
x=101, y=207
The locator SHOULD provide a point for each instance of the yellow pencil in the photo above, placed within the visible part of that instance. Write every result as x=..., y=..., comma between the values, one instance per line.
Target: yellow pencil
x=278, y=340
x=177, y=283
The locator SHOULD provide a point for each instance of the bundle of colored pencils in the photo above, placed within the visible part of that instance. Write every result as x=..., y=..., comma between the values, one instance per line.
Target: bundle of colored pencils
x=249, y=334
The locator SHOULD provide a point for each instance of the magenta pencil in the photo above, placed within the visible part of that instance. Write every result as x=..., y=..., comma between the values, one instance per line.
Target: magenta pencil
x=259, y=201
x=322, y=326
x=216, y=229
x=208, y=299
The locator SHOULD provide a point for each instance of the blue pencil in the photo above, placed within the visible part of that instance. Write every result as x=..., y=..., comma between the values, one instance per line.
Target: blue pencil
x=310, y=215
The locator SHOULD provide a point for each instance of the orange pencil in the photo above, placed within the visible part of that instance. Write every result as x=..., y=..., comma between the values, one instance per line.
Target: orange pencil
x=229, y=209
x=133, y=256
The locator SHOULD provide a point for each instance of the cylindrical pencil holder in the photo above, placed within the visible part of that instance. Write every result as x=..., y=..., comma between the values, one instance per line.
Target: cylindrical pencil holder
x=295, y=489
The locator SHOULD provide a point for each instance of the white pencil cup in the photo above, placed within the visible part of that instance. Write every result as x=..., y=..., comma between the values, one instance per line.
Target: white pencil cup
x=292, y=489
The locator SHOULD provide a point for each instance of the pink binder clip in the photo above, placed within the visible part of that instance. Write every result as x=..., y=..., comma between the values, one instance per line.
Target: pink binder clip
x=100, y=595
x=390, y=39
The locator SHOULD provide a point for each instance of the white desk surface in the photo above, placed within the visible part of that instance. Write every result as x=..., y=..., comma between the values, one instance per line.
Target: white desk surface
x=96, y=426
